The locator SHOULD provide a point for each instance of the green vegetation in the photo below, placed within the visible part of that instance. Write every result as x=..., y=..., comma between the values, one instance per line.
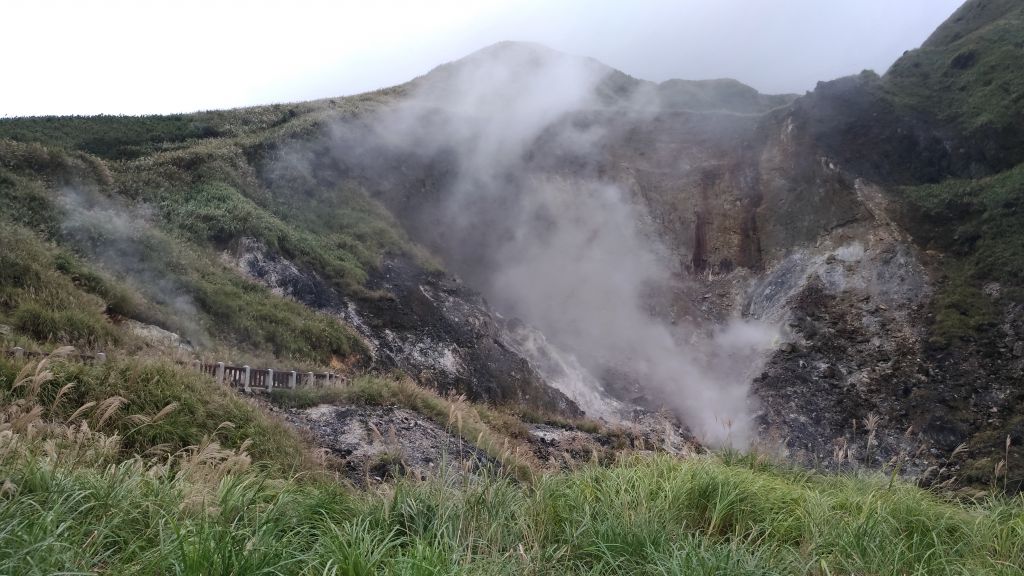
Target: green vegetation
x=43, y=303
x=979, y=224
x=968, y=75
x=129, y=218
x=115, y=137
x=980, y=220
x=718, y=95
x=73, y=501
x=53, y=296
x=247, y=315
x=128, y=137
x=342, y=239
x=966, y=79
x=143, y=466
x=152, y=406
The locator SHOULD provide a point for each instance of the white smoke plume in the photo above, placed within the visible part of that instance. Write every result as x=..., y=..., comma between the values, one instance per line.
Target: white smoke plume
x=122, y=239
x=555, y=243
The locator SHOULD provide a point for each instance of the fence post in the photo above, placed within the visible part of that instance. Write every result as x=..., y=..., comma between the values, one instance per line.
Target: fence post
x=327, y=378
x=270, y=379
x=310, y=379
x=245, y=384
x=19, y=352
x=220, y=373
x=292, y=378
x=101, y=357
x=196, y=365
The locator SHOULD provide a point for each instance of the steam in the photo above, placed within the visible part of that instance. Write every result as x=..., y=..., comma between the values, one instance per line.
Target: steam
x=556, y=244
x=123, y=241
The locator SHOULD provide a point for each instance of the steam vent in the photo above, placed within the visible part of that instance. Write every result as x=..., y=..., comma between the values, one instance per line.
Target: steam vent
x=524, y=313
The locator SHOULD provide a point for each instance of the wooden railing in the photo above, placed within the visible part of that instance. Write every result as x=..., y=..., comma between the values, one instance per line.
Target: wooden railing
x=244, y=377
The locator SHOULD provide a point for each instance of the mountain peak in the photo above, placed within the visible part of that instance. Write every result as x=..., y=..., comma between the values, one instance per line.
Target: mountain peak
x=512, y=60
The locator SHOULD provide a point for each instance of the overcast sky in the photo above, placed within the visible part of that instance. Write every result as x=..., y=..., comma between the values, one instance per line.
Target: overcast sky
x=134, y=57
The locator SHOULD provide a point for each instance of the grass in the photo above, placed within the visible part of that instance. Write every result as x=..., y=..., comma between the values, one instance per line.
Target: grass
x=246, y=315
x=43, y=303
x=979, y=225
x=980, y=219
x=129, y=137
x=139, y=466
x=718, y=95
x=967, y=76
x=128, y=468
x=645, y=516
x=78, y=326
x=138, y=212
x=110, y=262
x=143, y=388
x=114, y=137
x=346, y=244
x=53, y=295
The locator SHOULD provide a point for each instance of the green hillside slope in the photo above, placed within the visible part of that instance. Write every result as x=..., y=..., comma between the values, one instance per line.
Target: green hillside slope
x=968, y=76
x=113, y=218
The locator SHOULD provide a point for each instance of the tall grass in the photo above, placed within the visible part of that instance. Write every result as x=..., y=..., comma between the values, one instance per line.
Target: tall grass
x=52, y=295
x=41, y=302
x=168, y=270
x=190, y=406
x=82, y=491
x=649, y=516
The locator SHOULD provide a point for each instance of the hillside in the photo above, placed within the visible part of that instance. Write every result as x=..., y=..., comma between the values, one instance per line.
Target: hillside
x=176, y=237
x=335, y=234
x=966, y=76
x=581, y=323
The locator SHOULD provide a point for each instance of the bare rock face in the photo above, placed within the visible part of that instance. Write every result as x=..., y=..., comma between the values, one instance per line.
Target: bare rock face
x=374, y=444
x=156, y=336
x=424, y=323
x=764, y=225
x=758, y=222
x=779, y=216
x=446, y=337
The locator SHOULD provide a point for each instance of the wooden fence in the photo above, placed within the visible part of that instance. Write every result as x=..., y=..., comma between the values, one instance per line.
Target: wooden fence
x=243, y=377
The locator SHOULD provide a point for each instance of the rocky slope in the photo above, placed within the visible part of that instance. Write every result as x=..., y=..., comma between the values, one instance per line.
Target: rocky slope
x=787, y=215
x=764, y=267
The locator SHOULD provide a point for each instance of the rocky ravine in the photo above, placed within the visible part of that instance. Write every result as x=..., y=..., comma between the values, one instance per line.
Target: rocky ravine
x=428, y=324
x=760, y=218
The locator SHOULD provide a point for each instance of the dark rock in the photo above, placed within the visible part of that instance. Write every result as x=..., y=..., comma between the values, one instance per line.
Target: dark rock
x=428, y=325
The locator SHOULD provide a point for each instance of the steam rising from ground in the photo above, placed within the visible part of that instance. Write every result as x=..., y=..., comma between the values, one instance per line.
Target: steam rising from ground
x=122, y=239
x=565, y=250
